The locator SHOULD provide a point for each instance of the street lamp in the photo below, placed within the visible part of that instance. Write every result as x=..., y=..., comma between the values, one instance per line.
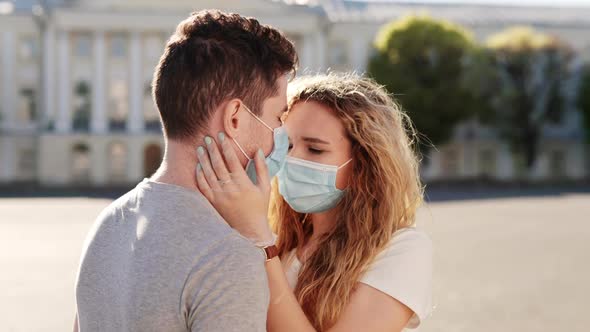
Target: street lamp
x=41, y=18
x=6, y=8
x=40, y=13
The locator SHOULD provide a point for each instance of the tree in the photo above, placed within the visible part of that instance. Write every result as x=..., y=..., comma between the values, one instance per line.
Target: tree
x=584, y=100
x=422, y=62
x=528, y=86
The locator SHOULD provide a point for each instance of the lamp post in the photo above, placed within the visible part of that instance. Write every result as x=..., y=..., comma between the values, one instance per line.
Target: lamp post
x=6, y=8
x=40, y=13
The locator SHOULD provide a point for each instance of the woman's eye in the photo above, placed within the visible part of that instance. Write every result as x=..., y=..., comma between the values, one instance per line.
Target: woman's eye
x=315, y=151
x=290, y=146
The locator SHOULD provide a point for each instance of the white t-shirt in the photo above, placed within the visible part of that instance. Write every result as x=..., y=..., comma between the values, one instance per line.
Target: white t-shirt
x=403, y=270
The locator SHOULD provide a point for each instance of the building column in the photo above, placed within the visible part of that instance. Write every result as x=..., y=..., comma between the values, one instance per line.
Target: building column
x=306, y=58
x=135, y=159
x=48, y=85
x=98, y=119
x=320, y=46
x=7, y=169
x=9, y=92
x=505, y=162
x=135, y=120
x=358, y=53
x=64, y=116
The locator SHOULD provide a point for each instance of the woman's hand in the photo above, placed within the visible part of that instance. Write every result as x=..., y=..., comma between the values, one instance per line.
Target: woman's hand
x=224, y=182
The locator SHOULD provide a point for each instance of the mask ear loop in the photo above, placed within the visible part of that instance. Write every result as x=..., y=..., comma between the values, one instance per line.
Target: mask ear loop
x=241, y=150
x=304, y=219
x=257, y=118
x=346, y=163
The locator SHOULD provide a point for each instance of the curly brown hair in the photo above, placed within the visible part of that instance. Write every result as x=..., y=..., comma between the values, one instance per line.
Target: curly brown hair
x=211, y=58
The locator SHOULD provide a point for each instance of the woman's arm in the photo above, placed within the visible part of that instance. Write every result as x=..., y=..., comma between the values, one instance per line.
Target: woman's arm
x=284, y=312
x=372, y=310
x=369, y=309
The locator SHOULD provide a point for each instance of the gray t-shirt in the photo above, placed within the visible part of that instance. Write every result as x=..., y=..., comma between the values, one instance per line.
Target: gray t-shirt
x=160, y=258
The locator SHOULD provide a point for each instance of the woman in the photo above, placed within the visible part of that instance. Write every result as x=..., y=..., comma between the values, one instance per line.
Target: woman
x=343, y=209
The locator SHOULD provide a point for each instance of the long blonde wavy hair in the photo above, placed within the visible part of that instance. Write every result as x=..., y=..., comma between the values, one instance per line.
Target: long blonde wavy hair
x=381, y=198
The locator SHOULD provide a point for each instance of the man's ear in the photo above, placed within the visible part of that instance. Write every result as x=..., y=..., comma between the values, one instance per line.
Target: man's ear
x=232, y=118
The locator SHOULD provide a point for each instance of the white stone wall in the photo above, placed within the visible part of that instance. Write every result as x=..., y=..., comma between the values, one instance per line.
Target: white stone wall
x=56, y=156
x=145, y=25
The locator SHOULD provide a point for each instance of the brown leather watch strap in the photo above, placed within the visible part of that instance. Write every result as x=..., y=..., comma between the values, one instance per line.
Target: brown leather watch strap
x=270, y=252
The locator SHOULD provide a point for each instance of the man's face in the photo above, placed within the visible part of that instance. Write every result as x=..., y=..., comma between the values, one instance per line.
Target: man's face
x=259, y=136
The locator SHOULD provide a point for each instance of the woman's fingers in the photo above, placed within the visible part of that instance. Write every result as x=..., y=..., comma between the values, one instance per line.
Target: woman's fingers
x=262, y=172
x=207, y=169
x=231, y=159
x=216, y=159
x=202, y=184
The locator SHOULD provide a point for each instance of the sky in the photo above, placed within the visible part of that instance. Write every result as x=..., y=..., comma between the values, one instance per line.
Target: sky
x=553, y=3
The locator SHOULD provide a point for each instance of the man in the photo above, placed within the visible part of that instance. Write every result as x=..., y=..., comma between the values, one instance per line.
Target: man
x=160, y=258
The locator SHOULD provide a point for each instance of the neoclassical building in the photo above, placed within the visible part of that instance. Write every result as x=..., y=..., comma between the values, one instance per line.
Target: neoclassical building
x=75, y=102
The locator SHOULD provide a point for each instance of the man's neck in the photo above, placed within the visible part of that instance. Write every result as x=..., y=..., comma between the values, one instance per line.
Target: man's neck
x=178, y=166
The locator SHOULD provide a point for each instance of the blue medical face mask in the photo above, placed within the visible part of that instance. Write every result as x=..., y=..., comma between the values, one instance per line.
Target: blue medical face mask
x=275, y=160
x=309, y=187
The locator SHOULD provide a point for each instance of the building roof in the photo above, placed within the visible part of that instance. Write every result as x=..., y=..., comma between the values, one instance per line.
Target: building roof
x=379, y=12
x=26, y=6
x=468, y=14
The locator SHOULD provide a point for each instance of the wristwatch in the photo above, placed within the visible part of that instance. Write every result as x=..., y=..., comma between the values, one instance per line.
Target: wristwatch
x=269, y=248
x=270, y=252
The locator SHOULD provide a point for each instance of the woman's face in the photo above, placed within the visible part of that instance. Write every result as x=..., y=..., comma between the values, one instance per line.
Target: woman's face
x=317, y=134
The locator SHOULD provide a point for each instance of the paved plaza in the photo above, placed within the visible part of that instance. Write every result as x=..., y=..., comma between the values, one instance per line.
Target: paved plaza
x=501, y=264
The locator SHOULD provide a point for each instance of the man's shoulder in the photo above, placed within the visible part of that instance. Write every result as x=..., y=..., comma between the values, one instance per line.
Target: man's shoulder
x=184, y=218
x=233, y=260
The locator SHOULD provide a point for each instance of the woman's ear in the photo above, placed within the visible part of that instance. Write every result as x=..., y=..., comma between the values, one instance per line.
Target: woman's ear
x=231, y=118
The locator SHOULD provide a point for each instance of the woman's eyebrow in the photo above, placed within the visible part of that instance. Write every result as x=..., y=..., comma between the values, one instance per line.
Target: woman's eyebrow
x=314, y=140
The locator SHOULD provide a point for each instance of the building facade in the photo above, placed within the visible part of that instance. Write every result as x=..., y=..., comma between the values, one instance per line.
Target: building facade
x=76, y=106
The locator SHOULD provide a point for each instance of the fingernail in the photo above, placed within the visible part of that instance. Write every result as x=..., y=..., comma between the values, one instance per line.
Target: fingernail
x=208, y=140
x=260, y=154
x=200, y=150
x=221, y=137
x=199, y=167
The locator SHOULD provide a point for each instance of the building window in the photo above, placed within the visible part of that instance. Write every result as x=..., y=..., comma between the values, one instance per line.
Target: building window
x=27, y=111
x=118, y=46
x=487, y=162
x=27, y=161
x=150, y=112
x=80, y=163
x=28, y=49
x=118, y=104
x=585, y=53
x=152, y=157
x=450, y=162
x=297, y=41
x=557, y=164
x=82, y=45
x=153, y=48
x=117, y=159
x=82, y=106
x=338, y=53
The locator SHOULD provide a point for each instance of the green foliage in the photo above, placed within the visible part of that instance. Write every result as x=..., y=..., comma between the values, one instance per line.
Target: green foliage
x=422, y=62
x=526, y=73
x=584, y=100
